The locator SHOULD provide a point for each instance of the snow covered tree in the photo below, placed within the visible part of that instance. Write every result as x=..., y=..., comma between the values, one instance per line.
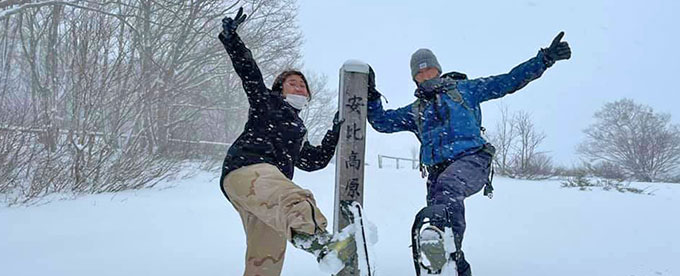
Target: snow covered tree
x=111, y=92
x=631, y=136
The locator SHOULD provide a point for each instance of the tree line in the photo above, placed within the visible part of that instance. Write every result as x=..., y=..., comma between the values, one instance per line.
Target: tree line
x=101, y=96
x=627, y=141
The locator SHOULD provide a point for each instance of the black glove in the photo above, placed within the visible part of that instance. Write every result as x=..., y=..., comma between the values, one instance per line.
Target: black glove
x=230, y=25
x=373, y=93
x=558, y=50
x=337, y=123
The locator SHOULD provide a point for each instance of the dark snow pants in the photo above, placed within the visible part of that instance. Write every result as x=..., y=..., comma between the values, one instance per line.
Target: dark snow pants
x=450, y=185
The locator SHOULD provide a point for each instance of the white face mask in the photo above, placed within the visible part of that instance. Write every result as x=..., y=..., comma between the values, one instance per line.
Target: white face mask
x=299, y=102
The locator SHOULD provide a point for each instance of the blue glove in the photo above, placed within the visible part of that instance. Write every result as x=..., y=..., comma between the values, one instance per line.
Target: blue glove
x=230, y=25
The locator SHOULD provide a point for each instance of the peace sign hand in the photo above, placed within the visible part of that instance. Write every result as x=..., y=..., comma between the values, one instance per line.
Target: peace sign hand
x=229, y=25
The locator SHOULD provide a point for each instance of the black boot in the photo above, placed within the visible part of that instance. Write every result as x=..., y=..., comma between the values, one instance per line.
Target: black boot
x=462, y=265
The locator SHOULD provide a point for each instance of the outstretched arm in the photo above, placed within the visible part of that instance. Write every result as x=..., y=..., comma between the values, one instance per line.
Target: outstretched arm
x=484, y=89
x=242, y=58
x=387, y=121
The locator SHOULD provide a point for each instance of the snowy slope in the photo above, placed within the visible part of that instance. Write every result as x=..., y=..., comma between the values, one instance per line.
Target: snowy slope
x=529, y=228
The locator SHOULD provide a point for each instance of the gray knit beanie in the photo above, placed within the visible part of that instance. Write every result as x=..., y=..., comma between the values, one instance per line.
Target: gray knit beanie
x=423, y=58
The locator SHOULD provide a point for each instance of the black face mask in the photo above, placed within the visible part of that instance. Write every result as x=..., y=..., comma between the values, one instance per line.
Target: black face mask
x=428, y=88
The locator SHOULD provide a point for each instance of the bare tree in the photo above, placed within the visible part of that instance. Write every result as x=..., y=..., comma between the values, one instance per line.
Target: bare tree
x=270, y=32
x=606, y=170
x=103, y=95
x=503, y=138
x=528, y=140
x=318, y=116
x=540, y=167
x=517, y=145
x=631, y=136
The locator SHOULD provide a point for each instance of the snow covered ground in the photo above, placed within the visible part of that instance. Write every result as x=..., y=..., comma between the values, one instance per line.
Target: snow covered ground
x=529, y=228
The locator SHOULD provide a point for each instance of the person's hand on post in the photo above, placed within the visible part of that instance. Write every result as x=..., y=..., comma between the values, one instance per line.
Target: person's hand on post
x=337, y=123
x=373, y=93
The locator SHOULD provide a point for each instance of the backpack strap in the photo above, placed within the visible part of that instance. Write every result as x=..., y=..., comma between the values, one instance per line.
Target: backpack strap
x=454, y=94
x=417, y=109
x=418, y=106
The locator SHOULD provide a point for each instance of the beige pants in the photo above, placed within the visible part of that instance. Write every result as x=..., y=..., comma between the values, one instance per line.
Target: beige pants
x=271, y=207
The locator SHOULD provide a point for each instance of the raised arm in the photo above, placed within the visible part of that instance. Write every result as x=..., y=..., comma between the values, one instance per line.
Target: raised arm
x=242, y=58
x=484, y=89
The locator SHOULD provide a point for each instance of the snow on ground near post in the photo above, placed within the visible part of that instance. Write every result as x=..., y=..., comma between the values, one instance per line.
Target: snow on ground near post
x=529, y=228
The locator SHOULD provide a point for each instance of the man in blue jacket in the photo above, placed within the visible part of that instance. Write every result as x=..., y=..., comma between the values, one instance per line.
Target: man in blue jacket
x=446, y=119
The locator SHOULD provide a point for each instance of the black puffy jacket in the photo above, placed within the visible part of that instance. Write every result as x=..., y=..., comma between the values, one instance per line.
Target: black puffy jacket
x=274, y=133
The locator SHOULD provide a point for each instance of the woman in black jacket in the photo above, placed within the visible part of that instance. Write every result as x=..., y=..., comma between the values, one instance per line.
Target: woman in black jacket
x=258, y=170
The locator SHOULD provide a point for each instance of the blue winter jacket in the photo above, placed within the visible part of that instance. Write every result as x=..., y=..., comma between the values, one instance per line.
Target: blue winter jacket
x=450, y=128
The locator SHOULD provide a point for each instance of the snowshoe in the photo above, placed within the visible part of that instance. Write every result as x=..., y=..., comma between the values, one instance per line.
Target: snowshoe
x=432, y=242
x=340, y=250
x=433, y=253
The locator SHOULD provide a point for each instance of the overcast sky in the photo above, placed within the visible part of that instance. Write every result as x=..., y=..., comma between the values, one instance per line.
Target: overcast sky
x=621, y=49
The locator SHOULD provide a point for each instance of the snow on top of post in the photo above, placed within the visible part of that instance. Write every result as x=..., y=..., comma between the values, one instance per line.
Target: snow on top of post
x=354, y=65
